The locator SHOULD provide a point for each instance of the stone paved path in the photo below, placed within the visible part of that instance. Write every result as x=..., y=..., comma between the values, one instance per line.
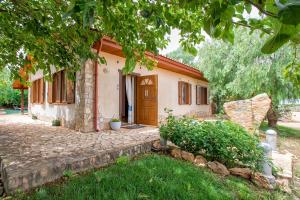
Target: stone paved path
x=33, y=154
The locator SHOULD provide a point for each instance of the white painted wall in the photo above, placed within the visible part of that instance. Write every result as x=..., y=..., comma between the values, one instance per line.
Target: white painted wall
x=49, y=112
x=108, y=79
x=108, y=91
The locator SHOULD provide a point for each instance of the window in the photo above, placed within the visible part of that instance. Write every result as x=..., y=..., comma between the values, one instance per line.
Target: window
x=37, y=91
x=201, y=95
x=61, y=89
x=184, y=93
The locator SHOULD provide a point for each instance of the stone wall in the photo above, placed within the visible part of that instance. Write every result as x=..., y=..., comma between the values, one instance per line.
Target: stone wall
x=1, y=182
x=84, y=100
x=249, y=113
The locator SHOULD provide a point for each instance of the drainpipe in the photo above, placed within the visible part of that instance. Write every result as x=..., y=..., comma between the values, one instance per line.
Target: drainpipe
x=96, y=89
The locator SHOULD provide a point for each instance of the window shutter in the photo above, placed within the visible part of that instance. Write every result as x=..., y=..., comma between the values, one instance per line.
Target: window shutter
x=70, y=91
x=35, y=93
x=31, y=92
x=57, y=89
x=189, y=93
x=197, y=95
x=180, y=92
x=50, y=92
x=41, y=91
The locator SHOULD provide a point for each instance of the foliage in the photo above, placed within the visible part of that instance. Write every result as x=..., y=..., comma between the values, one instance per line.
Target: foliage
x=61, y=33
x=56, y=122
x=68, y=173
x=9, y=97
x=241, y=71
x=122, y=160
x=223, y=141
x=115, y=120
x=283, y=131
x=154, y=177
x=182, y=56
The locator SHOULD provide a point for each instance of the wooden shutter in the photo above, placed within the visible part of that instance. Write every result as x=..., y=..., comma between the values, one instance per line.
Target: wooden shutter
x=197, y=95
x=31, y=92
x=70, y=91
x=189, y=93
x=180, y=92
x=35, y=92
x=50, y=92
x=63, y=86
x=57, y=87
x=41, y=91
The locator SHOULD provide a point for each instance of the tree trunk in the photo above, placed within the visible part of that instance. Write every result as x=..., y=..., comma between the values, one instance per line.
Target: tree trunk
x=272, y=118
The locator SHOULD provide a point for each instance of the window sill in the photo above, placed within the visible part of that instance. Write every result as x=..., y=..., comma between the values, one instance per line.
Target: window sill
x=61, y=104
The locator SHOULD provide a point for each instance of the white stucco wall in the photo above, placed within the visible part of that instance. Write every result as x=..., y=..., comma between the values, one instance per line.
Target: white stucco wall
x=108, y=94
x=49, y=112
x=108, y=90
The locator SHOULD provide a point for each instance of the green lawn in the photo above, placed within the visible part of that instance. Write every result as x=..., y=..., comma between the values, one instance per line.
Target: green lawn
x=152, y=177
x=283, y=130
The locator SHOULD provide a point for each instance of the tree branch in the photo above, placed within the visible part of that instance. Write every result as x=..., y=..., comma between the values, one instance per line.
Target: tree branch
x=2, y=10
x=261, y=9
x=252, y=27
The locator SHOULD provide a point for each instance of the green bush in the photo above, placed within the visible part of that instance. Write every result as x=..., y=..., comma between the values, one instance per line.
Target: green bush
x=223, y=141
x=56, y=122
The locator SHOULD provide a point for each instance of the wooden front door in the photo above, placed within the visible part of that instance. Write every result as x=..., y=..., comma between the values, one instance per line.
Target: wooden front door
x=146, y=102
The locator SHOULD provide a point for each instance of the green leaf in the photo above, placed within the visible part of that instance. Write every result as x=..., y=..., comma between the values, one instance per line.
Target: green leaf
x=275, y=42
x=248, y=8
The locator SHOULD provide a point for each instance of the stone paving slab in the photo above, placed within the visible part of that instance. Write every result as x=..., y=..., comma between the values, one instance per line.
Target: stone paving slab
x=34, y=154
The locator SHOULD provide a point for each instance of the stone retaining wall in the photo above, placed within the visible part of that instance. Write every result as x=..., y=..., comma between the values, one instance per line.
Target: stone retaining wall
x=1, y=183
x=53, y=169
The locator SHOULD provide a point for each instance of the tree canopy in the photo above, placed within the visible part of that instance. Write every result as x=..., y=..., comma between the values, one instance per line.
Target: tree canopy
x=241, y=71
x=62, y=32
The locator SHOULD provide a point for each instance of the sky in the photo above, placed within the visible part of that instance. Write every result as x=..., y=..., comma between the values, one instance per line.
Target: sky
x=173, y=44
x=175, y=37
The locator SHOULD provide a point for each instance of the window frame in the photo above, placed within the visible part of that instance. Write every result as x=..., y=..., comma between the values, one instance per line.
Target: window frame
x=202, y=95
x=59, y=89
x=184, y=93
x=37, y=91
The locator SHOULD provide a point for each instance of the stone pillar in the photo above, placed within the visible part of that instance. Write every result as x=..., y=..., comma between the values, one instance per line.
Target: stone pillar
x=271, y=139
x=84, y=100
x=267, y=168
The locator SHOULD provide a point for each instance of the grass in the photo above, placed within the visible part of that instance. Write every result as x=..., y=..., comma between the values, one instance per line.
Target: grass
x=152, y=177
x=283, y=130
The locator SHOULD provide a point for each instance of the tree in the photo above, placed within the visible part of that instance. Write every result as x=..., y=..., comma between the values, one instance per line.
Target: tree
x=182, y=56
x=9, y=97
x=62, y=32
x=242, y=71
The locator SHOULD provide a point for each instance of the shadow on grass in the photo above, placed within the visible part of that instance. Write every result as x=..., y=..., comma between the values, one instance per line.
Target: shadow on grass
x=282, y=130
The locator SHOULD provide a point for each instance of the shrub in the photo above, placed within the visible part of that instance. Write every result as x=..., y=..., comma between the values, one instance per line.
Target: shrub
x=223, y=141
x=56, y=122
x=115, y=120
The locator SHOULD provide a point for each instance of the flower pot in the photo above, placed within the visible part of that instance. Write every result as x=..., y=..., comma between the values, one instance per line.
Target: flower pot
x=115, y=125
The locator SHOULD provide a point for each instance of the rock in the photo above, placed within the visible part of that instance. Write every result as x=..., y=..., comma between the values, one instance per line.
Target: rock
x=176, y=153
x=1, y=191
x=283, y=184
x=249, y=113
x=200, y=161
x=187, y=156
x=242, y=172
x=218, y=168
x=157, y=146
x=261, y=181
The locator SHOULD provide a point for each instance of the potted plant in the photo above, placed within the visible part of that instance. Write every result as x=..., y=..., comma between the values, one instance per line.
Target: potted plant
x=115, y=124
x=56, y=122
